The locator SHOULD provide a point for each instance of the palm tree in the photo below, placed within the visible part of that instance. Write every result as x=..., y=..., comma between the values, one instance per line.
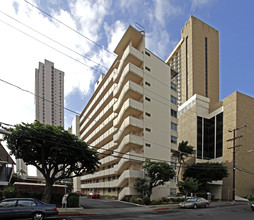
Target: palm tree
x=184, y=150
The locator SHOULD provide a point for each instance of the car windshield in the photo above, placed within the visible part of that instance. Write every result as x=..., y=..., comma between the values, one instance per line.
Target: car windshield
x=192, y=200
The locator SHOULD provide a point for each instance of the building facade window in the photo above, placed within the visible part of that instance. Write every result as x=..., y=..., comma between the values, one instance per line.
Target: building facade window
x=173, y=113
x=148, y=129
x=173, y=126
x=147, y=99
x=148, y=145
x=209, y=137
x=147, y=83
x=173, y=140
x=173, y=86
x=147, y=68
x=148, y=114
x=173, y=100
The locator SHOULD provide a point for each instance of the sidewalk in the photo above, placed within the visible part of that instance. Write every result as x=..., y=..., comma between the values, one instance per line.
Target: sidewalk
x=91, y=211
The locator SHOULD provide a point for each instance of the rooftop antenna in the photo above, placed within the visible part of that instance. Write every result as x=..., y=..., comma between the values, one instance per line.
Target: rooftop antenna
x=140, y=28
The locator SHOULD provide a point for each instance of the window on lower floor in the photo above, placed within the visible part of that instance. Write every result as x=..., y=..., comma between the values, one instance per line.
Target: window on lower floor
x=173, y=139
x=173, y=126
x=173, y=100
x=173, y=113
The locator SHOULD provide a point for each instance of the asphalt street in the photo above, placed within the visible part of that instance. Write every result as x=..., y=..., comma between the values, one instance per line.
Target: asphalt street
x=107, y=209
x=231, y=212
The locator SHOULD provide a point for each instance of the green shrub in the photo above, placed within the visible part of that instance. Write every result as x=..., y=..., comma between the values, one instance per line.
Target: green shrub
x=133, y=200
x=73, y=200
x=160, y=201
x=127, y=198
x=154, y=202
x=251, y=198
x=8, y=192
x=140, y=201
x=167, y=200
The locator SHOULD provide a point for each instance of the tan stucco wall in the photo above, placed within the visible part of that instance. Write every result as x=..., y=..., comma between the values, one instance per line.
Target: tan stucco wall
x=238, y=111
x=196, y=30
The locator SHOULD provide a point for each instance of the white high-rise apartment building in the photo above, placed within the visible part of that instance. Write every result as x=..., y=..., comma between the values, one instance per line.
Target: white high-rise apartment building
x=130, y=117
x=49, y=91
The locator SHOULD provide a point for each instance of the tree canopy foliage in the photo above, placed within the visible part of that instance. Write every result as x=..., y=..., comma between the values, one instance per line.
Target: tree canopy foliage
x=188, y=185
x=157, y=173
x=206, y=172
x=55, y=152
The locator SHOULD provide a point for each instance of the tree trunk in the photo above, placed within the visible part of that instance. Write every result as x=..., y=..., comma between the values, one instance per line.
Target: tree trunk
x=46, y=195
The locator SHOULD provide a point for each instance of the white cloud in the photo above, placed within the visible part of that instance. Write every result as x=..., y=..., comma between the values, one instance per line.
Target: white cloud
x=21, y=54
x=164, y=10
x=199, y=4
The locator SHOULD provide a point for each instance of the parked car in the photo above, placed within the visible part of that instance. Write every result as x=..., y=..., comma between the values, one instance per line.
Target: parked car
x=26, y=208
x=252, y=206
x=93, y=195
x=194, y=203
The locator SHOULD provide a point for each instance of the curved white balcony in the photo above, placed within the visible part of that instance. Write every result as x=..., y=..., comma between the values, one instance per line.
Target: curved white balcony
x=127, y=174
x=130, y=55
x=99, y=94
x=130, y=107
x=128, y=141
x=127, y=191
x=106, y=148
x=101, y=127
x=130, y=157
x=134, y=74
x=104, y=138
x=93, y=121
x=130, y=90
x=133, y=125
x=126, y=159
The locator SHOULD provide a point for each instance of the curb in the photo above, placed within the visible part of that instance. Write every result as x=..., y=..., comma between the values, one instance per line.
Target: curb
x=75, y=214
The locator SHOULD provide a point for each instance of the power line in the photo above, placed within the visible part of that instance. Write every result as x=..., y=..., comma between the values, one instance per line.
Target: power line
x=52, y=47
x=69, y=27
x=62, y=144
x=52, y=40
x=24, y=90
x=166, y=147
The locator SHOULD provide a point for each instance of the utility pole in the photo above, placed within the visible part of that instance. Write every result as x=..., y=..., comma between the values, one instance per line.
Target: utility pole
x=234, y=158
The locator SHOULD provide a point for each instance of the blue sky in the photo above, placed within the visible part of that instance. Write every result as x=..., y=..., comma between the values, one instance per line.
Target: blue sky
x=104, y=22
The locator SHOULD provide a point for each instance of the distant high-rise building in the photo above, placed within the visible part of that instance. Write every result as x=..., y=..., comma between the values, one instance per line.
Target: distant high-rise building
x=49, y=91
x=49, y=100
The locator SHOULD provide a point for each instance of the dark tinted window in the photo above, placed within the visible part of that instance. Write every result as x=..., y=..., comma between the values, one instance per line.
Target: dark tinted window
x=26, y=203
x=10, y=203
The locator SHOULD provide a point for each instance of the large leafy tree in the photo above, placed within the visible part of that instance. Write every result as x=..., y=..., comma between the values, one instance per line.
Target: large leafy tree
x=184, y=150
x=188, y=185
x=55, y=152
x=157, y=173
x=206, y=173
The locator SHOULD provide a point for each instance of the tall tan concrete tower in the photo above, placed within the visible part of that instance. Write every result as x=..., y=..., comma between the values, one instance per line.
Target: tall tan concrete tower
x=196, y=58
